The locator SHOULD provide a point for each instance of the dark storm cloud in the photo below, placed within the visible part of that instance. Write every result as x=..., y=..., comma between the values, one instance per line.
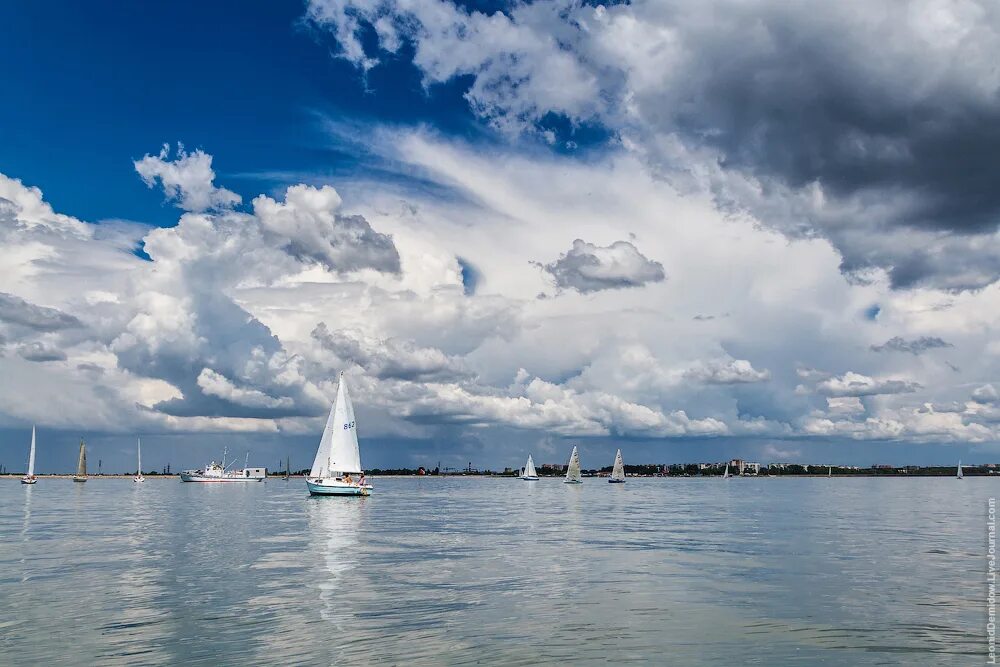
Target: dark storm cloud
x=590, y=268
x=15, y=310
x=915, y=346
x=874, y=125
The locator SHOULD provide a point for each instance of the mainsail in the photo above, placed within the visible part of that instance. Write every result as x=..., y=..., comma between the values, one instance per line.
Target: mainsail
x=138, y=451
x=338, y=448
x=529, y=468
x=573, y=469
x=81, y=465
x=618, y=472
x=959, y=475
x=31, y=455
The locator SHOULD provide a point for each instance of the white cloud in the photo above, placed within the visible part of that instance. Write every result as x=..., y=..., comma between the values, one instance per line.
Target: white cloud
x=590, y=268
x=856, y=384
x=188, y=179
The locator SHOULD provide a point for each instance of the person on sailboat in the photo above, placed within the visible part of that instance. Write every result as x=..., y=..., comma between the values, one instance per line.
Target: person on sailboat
x=348, y=479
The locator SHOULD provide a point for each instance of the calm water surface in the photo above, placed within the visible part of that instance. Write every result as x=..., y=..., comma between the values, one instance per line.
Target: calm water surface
x=496, y=572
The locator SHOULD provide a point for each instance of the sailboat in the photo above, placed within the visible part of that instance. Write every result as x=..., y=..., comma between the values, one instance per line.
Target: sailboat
x=138, y=449
x=288, y=463
x=529, y=474
x=829, y=471
x=959, y=474
x=30, y=477
x=573, y=469
x=339, y=456
x=618, y=472
x=81, y=464
x=726, y=474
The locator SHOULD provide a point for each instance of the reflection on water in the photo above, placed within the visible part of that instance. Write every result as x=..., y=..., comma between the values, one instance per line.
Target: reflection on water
x=478, y=571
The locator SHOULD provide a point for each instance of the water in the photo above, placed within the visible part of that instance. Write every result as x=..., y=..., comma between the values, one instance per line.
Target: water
x=493, y=571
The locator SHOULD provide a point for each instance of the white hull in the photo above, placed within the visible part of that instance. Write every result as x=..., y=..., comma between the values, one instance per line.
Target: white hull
x=528, y=478
x=78, y=478
x=573, y=481
x=28, y=480
x=186, y=477
x=138, y=478
x=329, y=487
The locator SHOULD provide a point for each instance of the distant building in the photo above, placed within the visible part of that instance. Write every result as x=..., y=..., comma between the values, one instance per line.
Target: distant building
x=750, y=468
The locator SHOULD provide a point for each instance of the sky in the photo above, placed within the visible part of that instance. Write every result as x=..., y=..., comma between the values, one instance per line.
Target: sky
x=694, y=231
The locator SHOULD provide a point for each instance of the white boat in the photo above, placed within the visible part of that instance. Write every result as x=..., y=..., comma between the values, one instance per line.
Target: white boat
x=138, y=450
x=81, y=464
x=618, y=472
x=573, y=474
x=829, y=471
x=30, y=477
x=336, y=470
x=219, y=472
x=529, y=474
x=959, y=474
x=726, y=474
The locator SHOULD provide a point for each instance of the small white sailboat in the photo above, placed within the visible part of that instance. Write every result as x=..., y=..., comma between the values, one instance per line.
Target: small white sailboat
x=138, y=449
x=573, y=474
x=81, y=464
x=30, y=477
x=338, y=457
x=829, y=471
x=529, y=474
x=726, y=474
x=618, y=471
x=959, y=474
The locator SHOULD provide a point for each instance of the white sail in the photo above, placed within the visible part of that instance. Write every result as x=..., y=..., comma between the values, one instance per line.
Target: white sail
x=725, y=475
x=31, y=455
x=829, y=471
x=338, y=450
x=618, y=472
x=573, y=469
x=138, y=451
x=529, y=468
x=959, y=475
x=81, y=464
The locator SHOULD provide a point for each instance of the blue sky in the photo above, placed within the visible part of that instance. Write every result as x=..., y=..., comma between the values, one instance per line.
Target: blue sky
x=689, y=236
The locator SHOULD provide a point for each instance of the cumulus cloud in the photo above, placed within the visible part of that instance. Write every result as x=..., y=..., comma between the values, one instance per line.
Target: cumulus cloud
x=39, y=351
x=216, y=384
x=188, y=180
x=915, y=346
x=856, y=384
x=819, y=119
x=590, y=268
x=732, y=371
x=15, y=310
x=308, y=222
x=390, y=358
x=986, y=394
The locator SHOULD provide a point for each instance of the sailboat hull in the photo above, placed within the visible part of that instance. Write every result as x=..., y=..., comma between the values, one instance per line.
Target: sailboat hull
x=334, y=488
x=616, y=481
x=77, y=478
x=529, y=479
x=28, y=480
x=138, y=479
x=572, y=481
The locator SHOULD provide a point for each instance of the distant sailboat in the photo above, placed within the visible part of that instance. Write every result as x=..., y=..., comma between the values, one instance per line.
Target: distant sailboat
x=138, y=449
x=829, y=471
x=288, y=464
x=573, y=474
x=30, y=477
x=618, y=472
x=339, y=455
x=959, y=475
x=529, y=474
x=81, y=464
x=726, y=474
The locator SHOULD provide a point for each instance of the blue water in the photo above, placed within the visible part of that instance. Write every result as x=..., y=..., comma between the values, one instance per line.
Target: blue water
x=496, y=572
